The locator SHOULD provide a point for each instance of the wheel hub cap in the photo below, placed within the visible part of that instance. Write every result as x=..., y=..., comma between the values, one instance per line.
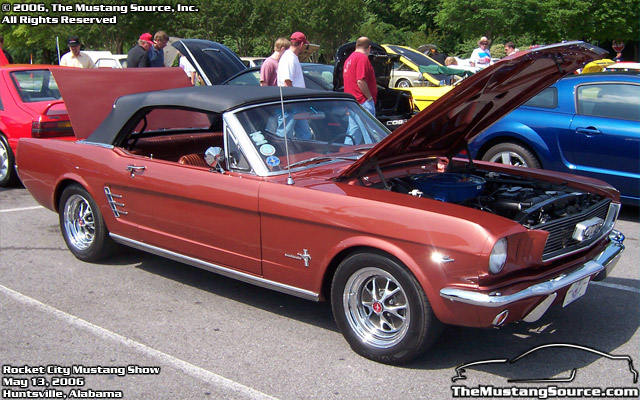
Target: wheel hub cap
x=376, y=307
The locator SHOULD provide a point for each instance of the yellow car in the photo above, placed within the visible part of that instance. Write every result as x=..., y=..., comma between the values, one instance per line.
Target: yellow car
x=425, y=88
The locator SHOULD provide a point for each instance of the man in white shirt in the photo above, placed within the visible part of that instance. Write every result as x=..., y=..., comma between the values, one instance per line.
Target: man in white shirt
x=289, y=69
x=481, y=57
x=76, y=58
x=290, y=74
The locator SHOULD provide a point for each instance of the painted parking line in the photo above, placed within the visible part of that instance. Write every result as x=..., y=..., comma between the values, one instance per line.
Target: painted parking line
x=616, y=286
x=20, y=209
x=238, y=390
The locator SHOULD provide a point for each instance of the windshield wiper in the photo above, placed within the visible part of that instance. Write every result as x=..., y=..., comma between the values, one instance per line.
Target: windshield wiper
x=313, y=160
x=364, y=148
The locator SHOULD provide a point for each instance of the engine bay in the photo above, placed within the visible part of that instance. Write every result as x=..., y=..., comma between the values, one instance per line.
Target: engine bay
x=529, y=202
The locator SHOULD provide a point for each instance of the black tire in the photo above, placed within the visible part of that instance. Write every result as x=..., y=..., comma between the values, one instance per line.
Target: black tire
x=512, y=154
x=392, y=326
x=82, y=225
x=403, y=83
x=8, y=175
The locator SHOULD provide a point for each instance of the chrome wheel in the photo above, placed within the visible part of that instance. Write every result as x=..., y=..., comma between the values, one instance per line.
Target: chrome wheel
x=79, y=222
x=376, y=307
x=4, y=161
x=509, y=158
x=403, y=83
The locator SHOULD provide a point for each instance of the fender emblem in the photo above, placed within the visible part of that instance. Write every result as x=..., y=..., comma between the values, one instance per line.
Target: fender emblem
x=304, y=256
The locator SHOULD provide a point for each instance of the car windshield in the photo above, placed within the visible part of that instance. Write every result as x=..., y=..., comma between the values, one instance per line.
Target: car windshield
x=318, y=131
x=36, y=85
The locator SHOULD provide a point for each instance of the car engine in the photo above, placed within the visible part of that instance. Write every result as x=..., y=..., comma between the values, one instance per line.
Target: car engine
x=528, y=202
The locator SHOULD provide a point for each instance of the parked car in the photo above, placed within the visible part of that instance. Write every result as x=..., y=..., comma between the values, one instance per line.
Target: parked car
x=623, y=66
x=393, y=107
x=213, y=61
x=585, y=124
x=406, y=70
x=30, y=106
x=251, y=62
x=408, y=74
x=105, y=59
x=398, y=235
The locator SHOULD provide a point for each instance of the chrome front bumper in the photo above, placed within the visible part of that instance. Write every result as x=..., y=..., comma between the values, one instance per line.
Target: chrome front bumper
x=602, y=263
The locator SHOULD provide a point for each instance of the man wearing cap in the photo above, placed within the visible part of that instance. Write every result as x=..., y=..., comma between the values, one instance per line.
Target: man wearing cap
x=138, y=56
x=76, y=58
x=290, y=74
x=289, y=69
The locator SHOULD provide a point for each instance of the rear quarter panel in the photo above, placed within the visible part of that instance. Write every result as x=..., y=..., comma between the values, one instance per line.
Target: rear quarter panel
x=46, y=166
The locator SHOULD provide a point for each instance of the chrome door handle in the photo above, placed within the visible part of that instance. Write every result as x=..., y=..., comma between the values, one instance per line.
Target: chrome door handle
x=134, y=168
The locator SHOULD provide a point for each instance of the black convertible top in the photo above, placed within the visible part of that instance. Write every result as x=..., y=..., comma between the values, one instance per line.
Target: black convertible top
x=216, y=99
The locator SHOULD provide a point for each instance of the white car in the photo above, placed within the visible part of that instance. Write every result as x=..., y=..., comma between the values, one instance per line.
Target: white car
x=253, y=61
x=105, y=59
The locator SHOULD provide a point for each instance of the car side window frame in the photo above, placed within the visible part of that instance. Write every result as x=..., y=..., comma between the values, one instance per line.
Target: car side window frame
x=603, y=104
x=233, y=151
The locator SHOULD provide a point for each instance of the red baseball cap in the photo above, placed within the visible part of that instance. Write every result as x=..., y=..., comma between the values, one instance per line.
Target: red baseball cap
x=147, y=38
x=299, y=37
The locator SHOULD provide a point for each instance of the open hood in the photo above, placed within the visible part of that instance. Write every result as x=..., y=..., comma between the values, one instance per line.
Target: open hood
x=445, y=127
x=215, y=62
x=89, y=94
x=381, y=60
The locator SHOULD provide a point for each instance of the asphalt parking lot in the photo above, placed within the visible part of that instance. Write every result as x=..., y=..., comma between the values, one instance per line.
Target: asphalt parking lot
x=171, y=331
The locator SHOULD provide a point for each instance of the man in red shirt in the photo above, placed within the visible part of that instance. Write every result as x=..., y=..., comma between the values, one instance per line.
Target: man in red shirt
x=359, y=76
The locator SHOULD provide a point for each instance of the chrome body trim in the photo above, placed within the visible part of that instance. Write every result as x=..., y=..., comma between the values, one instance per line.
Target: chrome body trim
x=605, y=260
x=230, y=273
x=607, y=229
x=113, y=202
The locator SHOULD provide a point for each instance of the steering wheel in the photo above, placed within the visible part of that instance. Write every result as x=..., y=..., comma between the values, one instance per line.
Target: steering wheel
x=334, y=139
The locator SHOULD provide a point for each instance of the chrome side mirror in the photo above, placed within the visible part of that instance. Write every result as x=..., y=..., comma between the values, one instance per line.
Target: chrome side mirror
x=214, y=157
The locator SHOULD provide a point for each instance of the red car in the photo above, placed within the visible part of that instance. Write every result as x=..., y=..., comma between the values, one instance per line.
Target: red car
x=30, y=106
x=304, y=192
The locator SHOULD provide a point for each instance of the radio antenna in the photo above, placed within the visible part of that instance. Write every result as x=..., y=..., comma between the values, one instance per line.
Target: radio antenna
x=286, y=142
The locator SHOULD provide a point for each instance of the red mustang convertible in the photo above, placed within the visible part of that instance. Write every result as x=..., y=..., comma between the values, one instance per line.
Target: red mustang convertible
x=305, y=193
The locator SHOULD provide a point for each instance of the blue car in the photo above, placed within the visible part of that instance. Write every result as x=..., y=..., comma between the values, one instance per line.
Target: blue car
x=584, y=124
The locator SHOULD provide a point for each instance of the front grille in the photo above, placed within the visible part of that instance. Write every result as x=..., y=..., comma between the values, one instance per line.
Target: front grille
x=560, y=240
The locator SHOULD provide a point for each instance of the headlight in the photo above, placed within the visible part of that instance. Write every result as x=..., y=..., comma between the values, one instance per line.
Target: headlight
x=498, y=256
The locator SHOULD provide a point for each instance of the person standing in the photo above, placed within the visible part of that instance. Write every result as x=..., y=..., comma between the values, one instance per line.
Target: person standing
x=269, y=68
x=156, y=52
x=5, y=53
x=481, y=57
x=289, y=69
x=138, y=57
x=510, y=48
x=187, y=68
x=76, y=58
x=359, y=76
x=290, y=74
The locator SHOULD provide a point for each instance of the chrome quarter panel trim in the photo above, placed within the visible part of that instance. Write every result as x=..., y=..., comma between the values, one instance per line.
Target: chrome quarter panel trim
x=607, y=258
x=230, y=273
